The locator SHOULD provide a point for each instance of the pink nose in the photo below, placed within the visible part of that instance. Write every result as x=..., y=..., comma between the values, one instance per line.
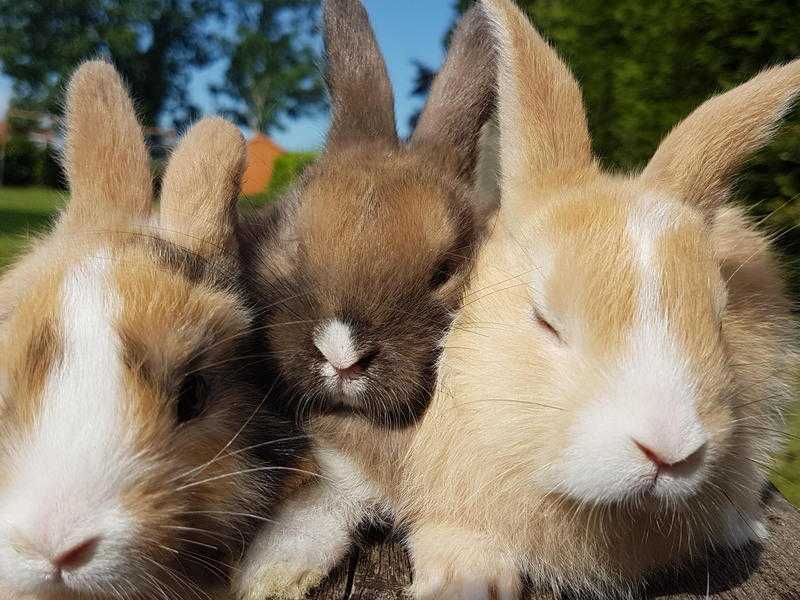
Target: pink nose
x=692, y=459
x=77, y=556
x=652, y=455
x=354, y=371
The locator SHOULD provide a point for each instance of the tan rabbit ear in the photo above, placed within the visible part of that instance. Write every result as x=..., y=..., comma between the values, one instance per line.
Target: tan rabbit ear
x=201, y=188
x=698, y=158
x=462, y=97
x=105, y=157
x=361, y=93
x=544, y=136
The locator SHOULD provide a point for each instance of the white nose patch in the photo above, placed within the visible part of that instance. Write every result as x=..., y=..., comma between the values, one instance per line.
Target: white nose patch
x=335, y=341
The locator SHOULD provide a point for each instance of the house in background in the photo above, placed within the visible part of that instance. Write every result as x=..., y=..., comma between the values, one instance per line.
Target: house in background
x=262, y=153
x=45, y=131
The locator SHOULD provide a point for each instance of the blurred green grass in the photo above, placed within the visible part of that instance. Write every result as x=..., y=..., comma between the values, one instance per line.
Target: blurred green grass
x=25, y=211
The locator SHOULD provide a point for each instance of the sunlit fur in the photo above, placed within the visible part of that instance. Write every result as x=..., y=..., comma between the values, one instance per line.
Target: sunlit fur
x=367, y=257
x=379, y=233
x=101, y=324
x=603, y=311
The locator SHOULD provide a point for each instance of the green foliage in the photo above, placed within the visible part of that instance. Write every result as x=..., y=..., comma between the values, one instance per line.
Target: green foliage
x=787, y=473
x=154, y=43
x=53, y=175
x=287, y=168
x=28, y=164
x=644, y=66
x=273, y=71
x=23, y=162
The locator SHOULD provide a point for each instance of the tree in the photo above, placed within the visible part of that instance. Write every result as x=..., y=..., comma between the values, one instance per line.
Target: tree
x=643, y=66
x=154, y=43
x=273, y=71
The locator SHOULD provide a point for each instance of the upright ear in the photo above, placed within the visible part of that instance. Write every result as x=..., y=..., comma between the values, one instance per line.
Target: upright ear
x=462, y=97
x=544, y=137
x=698, y=158
x=361, y=94
x=105, y=157
x=201, y=188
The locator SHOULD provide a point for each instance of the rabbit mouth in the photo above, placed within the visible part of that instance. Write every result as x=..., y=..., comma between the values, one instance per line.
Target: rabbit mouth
x=342, y=363
x=347, y=384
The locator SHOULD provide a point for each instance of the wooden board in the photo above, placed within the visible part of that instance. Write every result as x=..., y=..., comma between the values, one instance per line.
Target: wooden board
x=379, y=569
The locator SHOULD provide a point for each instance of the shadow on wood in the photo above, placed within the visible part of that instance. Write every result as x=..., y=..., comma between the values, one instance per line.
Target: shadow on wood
x=379, y=569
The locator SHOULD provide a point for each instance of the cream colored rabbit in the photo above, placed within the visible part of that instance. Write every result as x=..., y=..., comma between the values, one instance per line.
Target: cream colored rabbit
x=611, y=392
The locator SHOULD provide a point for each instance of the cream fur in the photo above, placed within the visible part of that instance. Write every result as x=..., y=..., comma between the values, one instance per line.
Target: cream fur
x=669, y=319
x=674, y=326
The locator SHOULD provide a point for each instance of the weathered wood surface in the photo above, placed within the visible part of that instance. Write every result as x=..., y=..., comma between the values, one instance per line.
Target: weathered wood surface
x=379, y=569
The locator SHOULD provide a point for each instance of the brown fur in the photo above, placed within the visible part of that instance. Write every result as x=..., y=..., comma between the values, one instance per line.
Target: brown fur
x=180, y=313
x=476, y=481
x=379, y=234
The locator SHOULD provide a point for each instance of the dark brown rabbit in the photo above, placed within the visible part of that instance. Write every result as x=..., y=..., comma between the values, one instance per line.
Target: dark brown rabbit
x=358, y=272
x=361, y=265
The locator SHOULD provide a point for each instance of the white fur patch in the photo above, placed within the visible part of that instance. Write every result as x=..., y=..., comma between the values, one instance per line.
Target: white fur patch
x=335, y=341
x=650, y=399
x=310, y=535
x=66, y=474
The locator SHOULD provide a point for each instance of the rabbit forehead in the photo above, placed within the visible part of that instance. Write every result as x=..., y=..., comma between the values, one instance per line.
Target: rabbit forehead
x=109, y=305
x=368, y=216
x=622, y=262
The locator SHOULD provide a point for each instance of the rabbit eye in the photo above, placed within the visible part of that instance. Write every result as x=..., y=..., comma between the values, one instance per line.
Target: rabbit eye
x=192, y=398
x=545, y=324
x=443, y=272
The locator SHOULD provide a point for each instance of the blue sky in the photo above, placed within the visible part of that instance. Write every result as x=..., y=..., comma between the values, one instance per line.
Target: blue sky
x=406, y=30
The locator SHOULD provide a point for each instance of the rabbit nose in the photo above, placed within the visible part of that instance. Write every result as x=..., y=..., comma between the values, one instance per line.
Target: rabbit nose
x=687, y=461
x=77, y=556
x=334, y=340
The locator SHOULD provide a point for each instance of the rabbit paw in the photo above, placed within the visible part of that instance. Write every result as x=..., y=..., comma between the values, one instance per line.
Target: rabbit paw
x=450, y=564
x=309, y=536
x=279, y=581
x=288, y=563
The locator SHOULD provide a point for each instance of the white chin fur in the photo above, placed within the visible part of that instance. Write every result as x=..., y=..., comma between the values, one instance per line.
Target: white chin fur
x=68, y=471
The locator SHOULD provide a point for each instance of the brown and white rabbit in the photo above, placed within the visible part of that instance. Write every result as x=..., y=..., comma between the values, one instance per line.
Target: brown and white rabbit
x=136, y=452
x=611, y=392
x=360, y=269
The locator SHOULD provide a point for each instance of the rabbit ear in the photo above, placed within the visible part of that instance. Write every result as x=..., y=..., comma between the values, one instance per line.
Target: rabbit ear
x=544, y=137
x=105, y=157
x=462, y=96
x=201, y=188
x=361, y=94
x=699, y=157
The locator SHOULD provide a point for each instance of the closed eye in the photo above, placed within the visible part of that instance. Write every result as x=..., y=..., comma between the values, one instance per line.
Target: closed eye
x=545, y=324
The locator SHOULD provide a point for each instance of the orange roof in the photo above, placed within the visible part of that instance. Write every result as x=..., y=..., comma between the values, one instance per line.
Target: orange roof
x=261, y=155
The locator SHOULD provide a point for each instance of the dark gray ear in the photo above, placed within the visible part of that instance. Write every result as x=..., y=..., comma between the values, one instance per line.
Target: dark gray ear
x=361, y=94
x=463, y=95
